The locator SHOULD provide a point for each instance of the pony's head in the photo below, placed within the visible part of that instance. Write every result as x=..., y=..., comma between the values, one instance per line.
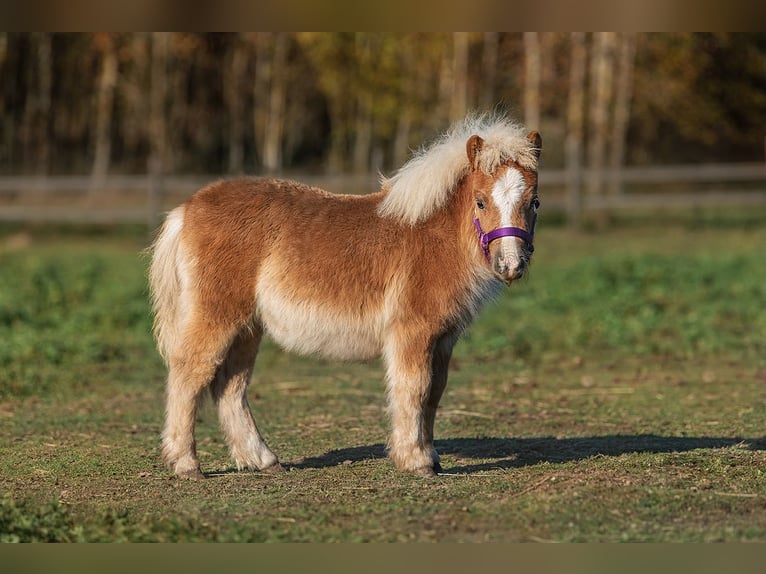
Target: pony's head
x=491, y=158
x=505, y=206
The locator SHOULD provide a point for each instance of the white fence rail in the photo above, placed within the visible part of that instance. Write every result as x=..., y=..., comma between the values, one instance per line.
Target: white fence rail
x=141, y=199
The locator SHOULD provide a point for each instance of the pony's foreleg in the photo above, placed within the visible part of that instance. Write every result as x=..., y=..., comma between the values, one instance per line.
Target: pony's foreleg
x=408, y=362
x=439, y=366
x=229, y=390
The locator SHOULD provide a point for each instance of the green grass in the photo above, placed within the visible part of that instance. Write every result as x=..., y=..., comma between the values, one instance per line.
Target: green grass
x=615, y=395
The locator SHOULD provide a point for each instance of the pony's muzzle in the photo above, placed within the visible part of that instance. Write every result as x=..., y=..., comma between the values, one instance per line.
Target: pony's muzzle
x=510, y=262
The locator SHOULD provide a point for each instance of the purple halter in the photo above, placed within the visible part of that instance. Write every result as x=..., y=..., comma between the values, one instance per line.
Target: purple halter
x=487, y=238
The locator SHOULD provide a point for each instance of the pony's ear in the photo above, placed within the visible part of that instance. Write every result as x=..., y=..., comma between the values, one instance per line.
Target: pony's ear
x=537, y=142
x=472, y=148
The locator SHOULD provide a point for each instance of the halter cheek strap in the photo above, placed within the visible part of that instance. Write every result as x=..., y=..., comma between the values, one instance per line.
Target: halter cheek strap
x=487, y=238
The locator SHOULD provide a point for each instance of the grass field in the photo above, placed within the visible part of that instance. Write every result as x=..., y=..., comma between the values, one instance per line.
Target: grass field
x=615, y=395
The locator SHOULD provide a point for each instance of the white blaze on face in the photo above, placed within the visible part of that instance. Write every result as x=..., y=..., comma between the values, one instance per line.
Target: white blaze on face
x=506, y=194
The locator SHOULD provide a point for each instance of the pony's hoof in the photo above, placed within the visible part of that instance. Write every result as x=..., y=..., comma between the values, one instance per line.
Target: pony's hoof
x=193, y=474
x=438, y=468
x=275, y=468
x=425, y=472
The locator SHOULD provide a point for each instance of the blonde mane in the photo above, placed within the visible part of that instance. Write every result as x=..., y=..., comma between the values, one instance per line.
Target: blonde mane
x=424, y=184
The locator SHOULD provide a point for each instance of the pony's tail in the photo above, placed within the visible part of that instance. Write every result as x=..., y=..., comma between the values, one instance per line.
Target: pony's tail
x=166, y=282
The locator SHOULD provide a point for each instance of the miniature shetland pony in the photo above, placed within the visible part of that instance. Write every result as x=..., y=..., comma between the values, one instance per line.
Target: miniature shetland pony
x=398, y=273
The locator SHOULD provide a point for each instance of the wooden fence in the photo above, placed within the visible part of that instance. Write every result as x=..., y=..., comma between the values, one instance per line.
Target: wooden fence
x=143, y=199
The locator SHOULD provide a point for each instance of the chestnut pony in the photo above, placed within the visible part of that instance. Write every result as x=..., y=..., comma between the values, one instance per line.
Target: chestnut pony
x=398, y=273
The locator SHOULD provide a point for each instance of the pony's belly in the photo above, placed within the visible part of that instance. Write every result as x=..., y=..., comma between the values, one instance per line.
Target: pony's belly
x=306, y=327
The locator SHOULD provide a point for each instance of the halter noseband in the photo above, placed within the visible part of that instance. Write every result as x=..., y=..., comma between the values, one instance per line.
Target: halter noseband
x=487, y=238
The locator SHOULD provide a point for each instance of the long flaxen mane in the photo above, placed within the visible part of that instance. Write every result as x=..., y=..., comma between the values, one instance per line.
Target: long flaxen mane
x=425, y=183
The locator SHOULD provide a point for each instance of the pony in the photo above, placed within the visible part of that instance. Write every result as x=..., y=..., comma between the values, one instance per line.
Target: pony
x=399, y=273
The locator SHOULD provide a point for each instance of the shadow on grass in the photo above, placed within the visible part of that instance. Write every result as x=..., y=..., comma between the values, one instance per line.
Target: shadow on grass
x=519, y=452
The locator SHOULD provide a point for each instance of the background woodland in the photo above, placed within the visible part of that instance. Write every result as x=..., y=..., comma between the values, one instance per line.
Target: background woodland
x=334, y=103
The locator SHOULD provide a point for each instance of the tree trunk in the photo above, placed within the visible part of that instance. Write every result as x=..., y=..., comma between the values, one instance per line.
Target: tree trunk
x=402, y=138
x=626, y=57
x=363, y=133
x=364, y=102
x=275, y=121
x=489, y=69
x=459, y=100
x=3, y=58
x=37, y=103
x=157, y=124
x=532, y=80
x=548, y=41
x=157, y=92
x=404, y=119
x=574, y=133
x=232, y=79
x=7, y=134
x=336, y=157
x=107, y=81
x=133, y=91
x=602, y=64
x=446, y=84
x=45, y=76
x=261, y=81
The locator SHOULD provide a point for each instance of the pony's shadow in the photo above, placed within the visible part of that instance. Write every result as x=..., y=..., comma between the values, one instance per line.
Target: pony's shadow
x=519, y=452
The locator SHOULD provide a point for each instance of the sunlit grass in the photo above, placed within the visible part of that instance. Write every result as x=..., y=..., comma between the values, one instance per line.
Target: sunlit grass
x=616, y=394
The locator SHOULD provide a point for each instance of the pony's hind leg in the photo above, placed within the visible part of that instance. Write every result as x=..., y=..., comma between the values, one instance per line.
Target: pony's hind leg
x=229, y=390
x=192, y=368
x=185, y=385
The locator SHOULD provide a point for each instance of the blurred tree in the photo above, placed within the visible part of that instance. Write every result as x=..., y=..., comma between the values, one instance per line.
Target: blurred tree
x=132, y=105
x=459, y=91
x=234, y=75
x=413, y=77
x=72, y=128
x=601, y=74
x=488, y=70
x=79, y=103
x=410, y=92
x=37, y=103
x=575, y=125
x=532, y=62
x=45, y=78
x=332, y=56
x=6, y=123
x=259, y=42
x=548, y=44
x=275, y=120
x=366, y=52
x=699, y=97
x=157, y=98
x=624, y=88
x=104, y=45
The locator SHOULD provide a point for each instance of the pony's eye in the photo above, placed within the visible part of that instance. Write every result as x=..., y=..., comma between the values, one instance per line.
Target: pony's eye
x=479, y=204
x=535, y=203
